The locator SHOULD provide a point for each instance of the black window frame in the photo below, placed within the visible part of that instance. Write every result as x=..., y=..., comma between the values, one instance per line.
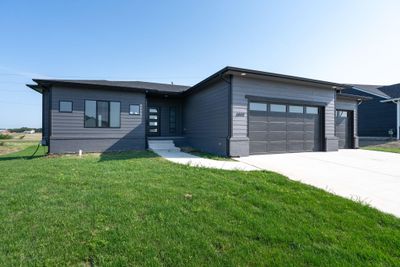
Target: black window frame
x=69, y=101
x=97, y=111
x=133, y=114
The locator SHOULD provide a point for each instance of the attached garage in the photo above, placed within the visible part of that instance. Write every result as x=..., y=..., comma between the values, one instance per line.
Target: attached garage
x=344, y=128
x=284, y=127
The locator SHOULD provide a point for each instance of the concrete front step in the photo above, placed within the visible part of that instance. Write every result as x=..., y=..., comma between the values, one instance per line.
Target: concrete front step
x=162, y=145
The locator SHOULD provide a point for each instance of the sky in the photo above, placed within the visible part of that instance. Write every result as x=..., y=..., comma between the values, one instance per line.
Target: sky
x=345, y=41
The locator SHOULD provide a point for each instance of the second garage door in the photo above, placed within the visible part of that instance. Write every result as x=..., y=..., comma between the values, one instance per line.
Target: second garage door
x=280, y=128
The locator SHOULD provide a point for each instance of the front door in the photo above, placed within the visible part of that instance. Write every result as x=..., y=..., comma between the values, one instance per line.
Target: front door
x=153, y=120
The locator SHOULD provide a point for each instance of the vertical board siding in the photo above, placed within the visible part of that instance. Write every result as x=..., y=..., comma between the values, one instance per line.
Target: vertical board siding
x=68, y=128
x=290, y=91
x=206, y=118
x=375, y=118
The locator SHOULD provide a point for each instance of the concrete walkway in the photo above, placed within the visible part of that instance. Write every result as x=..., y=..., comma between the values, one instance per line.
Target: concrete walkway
x=370, y=176
x=188, y=159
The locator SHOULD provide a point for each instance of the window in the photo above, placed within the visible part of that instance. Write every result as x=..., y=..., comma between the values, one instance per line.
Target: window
x=102, y=114
x=153, y=117
x=153, y=110
x=278, y=108
x=311, y=110
x=153, y=123
x=115, y=111
x=172, y=120
x=341, y=114
x=65, y=106
x=296, y=109
x=258, y=106
x=134, y=109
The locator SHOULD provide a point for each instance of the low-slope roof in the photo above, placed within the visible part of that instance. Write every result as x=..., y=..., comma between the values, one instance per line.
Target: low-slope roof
x=133, y=85
x=370, y=89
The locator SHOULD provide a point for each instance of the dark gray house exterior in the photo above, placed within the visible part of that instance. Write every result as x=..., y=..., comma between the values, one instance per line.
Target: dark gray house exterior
x=234, y=112
x=381, y=113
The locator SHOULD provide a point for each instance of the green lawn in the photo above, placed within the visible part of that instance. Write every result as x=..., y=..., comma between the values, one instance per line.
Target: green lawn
x=135, y=208
x=383, y=149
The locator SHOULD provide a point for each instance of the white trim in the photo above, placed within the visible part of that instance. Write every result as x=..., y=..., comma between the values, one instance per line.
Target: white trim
x=391, y=100
x=368, y=92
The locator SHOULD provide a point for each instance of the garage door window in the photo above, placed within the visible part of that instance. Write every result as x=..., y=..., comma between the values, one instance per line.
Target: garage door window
x=311, y=110
x=258, y=106
x=296, y=109
x=278, y=108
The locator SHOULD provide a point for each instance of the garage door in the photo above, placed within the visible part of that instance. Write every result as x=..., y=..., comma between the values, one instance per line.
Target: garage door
x=343, y=128
x=280, y=128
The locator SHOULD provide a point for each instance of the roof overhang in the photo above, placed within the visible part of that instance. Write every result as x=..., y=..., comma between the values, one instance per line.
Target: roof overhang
x=49, y=83
x=249, y=73
x=353, y=97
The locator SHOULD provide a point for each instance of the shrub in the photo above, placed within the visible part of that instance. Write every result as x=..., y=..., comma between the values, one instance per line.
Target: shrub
x=1, y=143
x=22, y=137
x=5, y=136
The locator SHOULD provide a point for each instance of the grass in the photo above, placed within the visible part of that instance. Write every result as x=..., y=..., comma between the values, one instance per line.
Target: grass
x=16, y=143
x=204, y=154
x=135, y=208
x=393, y=147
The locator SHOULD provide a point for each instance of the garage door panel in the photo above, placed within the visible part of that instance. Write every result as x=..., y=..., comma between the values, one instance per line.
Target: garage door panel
x=258, y=136
x=258, y=126
x=343, y=128
x=297, y=136
x=295, y=127
x=276, y=117
x=277, y=126
x=294, y=119
x=258, y=147
x=277, y=136
x=277, y=146
x=295, y=146
x=311, y=146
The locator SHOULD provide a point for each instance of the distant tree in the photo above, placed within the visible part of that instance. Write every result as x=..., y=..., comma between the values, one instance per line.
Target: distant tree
x=23, y=129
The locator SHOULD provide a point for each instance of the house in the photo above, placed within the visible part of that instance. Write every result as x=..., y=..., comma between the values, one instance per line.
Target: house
x=380, y=116
x=234, y=112
x=29, y=132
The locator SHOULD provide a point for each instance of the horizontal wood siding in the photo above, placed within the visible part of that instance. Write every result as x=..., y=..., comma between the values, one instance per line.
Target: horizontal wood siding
x=290, y=91
x=70, y=126
x=206, y=118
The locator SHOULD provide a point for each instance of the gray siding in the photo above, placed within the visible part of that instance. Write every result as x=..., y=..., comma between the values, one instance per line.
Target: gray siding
x=280, y=90
x=68, y=133
x=206, y=114
x=352, y=105
x=164, y=104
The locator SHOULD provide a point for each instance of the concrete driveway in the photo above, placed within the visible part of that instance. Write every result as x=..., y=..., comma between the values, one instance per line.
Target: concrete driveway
x=370, y=176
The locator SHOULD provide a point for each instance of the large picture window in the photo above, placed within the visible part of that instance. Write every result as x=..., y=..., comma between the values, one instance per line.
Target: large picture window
x=102, y=114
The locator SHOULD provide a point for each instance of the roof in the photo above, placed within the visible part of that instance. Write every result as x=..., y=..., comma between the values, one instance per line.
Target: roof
x=256, y=73
x=370, y=89
x=127, y=85
x=393, y=91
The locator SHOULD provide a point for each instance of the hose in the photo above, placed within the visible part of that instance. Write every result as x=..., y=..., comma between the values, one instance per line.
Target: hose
x=37, y=148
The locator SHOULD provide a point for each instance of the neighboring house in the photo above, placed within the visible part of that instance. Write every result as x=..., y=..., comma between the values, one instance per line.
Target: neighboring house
x=29, y=132
x=380, y=115
x=234, y=112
